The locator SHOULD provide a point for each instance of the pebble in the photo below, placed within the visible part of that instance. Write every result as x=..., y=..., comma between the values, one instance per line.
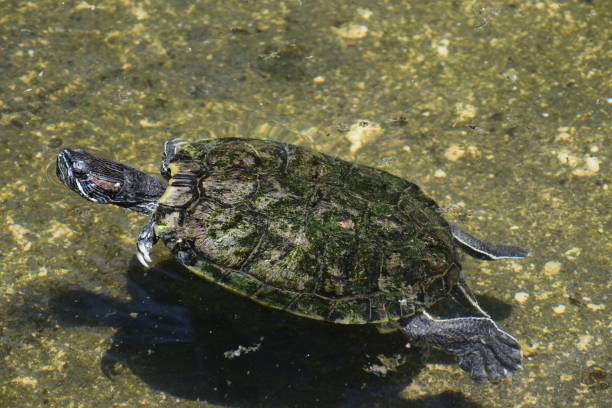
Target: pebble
x=465, y=111
x=454, y=152
x=85, y=6
x=364, y=13
x=474, y=153
x=595, y=307
x=529, y=349
x=30, y=381
x=564, y=134
x=361, y=133
x=590, y=168
x=584, y=341
x=439, y=173
x=511, y=75
x=521, y=297
x=442, y=48
x=563, y=137
x=140, y=13
x=559, y=309
x=43, y=272
x=552, y=268
x=572, y=253
x=148, y=124
x=568, y=158
x=516, y=267
x=350, y=33
x=19, y=234
x=57, y=230
x=319, y=80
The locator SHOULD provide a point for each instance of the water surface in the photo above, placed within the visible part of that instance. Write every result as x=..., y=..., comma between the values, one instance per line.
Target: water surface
x=499, y=110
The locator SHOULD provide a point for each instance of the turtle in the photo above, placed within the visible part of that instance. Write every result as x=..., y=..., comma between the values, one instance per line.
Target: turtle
x=310, y=234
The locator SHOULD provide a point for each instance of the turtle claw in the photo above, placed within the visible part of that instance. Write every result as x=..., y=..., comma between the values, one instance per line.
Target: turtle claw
x=143, y=253
x=169, y=152
x=146, y=240
x=141, y=260
x=143, y=249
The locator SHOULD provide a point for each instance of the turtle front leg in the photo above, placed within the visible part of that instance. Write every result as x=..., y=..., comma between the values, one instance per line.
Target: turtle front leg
x=146, y=240
x=170, y=148
x=483, y=349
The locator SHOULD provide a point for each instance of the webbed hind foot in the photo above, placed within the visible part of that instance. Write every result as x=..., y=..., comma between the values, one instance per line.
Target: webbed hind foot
x=483, y=349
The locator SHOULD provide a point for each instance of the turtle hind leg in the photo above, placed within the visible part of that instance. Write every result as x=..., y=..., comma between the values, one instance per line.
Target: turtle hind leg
x=483, y=349
x=482, y=250
x=462, y=294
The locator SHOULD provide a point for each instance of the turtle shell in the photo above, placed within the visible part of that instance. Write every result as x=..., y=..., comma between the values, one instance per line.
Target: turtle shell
x=305, y=232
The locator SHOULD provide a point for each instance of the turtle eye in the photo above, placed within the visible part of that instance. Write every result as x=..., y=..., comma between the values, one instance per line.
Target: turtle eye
x=78, y=172
x=78, y=168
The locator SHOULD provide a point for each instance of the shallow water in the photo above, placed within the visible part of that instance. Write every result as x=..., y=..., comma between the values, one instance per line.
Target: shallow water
x=498, y=110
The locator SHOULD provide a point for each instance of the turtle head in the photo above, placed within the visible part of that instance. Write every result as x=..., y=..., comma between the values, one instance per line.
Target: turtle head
x=106, y=182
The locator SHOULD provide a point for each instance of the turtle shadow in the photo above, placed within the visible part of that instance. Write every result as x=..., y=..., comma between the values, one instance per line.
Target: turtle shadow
x=195, y=340
x=498, y=309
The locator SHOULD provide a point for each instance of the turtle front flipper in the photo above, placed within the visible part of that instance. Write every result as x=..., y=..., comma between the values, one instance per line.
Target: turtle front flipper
x=146, y=241
x=482, y=250
x=483, y=349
